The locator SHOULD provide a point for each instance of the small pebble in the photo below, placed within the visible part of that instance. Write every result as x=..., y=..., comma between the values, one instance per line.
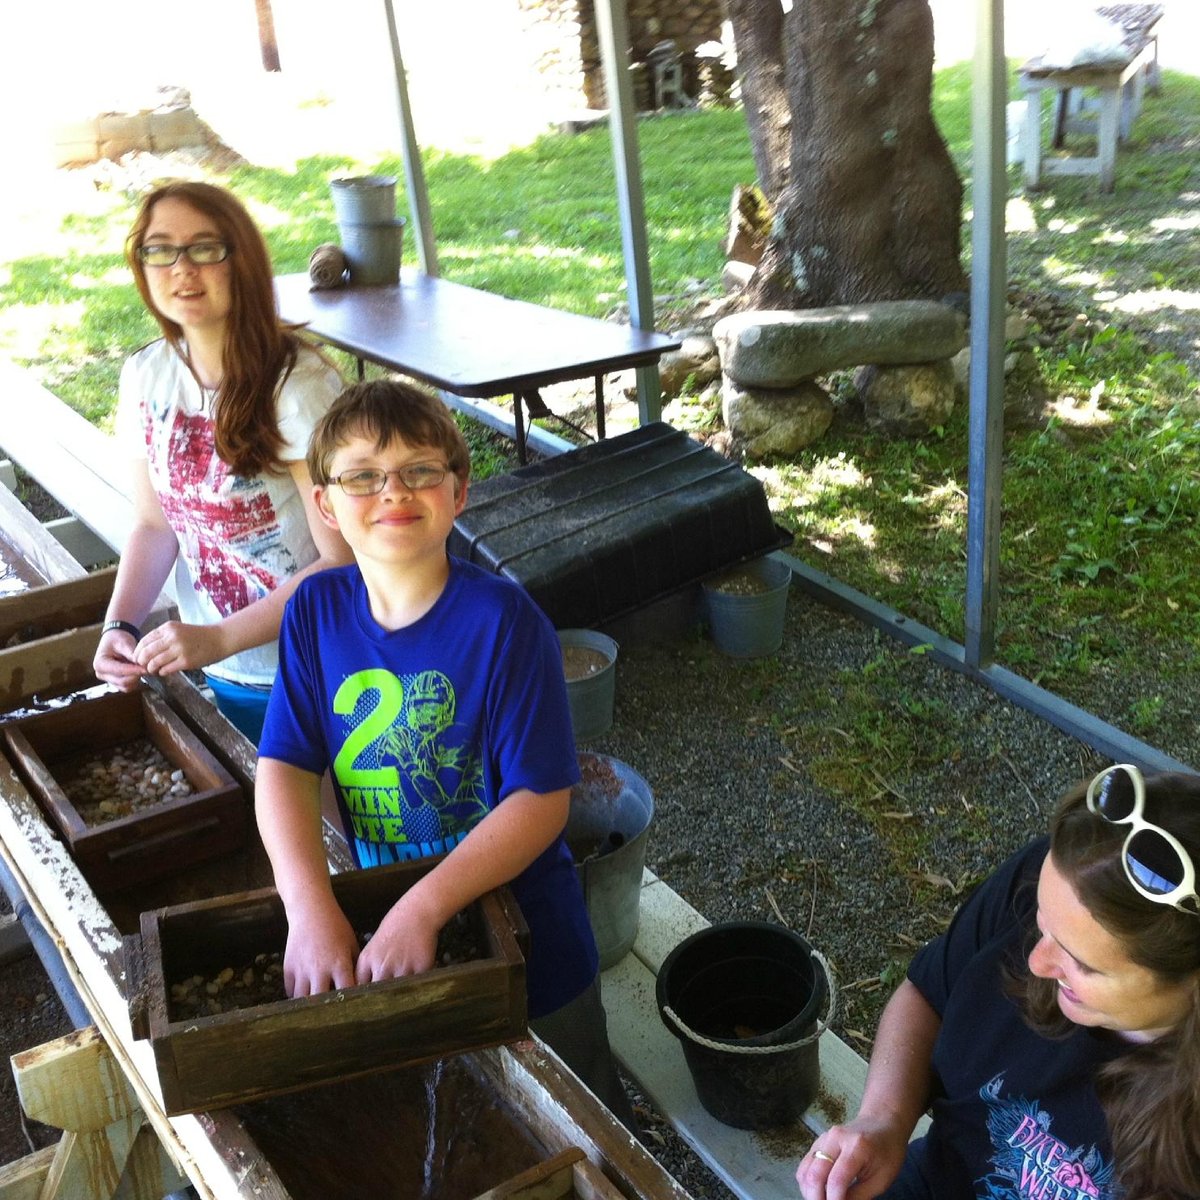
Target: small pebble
x=121, y=780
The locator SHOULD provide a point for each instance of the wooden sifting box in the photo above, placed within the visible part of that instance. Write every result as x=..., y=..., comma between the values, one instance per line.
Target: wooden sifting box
x=148, y=844
x=41, y=611
x=48, y=637
x=211, y=1062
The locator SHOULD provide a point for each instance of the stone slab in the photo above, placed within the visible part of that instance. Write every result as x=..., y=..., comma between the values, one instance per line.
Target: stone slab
x=781, y=348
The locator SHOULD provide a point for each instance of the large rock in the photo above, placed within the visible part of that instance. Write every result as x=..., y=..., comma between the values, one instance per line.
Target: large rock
x=695, y=360
x=780, y=348
x=907, y=400
x=766, y=421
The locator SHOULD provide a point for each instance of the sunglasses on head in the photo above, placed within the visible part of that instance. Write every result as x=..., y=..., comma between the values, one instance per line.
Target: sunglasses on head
x=1155, y=861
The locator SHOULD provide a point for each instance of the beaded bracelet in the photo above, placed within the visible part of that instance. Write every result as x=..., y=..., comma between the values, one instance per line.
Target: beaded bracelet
x=124, y=626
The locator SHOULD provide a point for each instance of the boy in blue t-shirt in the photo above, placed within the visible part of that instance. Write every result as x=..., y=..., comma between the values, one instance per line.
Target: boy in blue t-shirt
x=433, y=692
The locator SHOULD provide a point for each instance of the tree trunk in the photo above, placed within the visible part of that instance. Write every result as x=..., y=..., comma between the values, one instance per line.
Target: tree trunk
x=867, y=203
x=268, y=46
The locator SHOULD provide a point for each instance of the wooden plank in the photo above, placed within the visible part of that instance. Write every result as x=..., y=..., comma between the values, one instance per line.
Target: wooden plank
x=89, y=1165
x=26, y=535
x=23, y=1179
x=149, y=1173
x=76, y=1084
x=80, y=542
x=84, y=469
x=549, y=1180
x=564, y=1113
x=227, y=743
x=49, y=666
x=566, y=1176
x=73, y=1083
x=590, y=1184
x=124, y=1162
x=39, y=612
x=665, y=920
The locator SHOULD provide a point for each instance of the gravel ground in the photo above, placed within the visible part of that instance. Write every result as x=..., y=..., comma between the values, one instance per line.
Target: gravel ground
x=752, y=822
x=32, y=1015
x=742, y=829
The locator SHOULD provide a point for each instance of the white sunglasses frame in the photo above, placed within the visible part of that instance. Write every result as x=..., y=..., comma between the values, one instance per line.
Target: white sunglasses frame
x=1186, y=889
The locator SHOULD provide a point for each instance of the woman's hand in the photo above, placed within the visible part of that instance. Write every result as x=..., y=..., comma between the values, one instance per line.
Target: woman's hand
x=175, y=646
x=860, y=1160
x=857, y=1161
x=115, y=662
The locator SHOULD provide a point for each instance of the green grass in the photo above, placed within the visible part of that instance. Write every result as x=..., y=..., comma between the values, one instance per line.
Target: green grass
x=1099, y=544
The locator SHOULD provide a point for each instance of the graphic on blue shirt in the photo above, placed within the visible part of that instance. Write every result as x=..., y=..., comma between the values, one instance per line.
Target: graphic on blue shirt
x=412, y=783
x=1030, y=1162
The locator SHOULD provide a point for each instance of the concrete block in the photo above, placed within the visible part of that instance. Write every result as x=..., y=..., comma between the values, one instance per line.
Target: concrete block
x=126, y=127
x=69, y=154
x=176, y=128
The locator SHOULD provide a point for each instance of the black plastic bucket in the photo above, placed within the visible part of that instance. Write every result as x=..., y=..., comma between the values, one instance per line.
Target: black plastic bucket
x=744, y=998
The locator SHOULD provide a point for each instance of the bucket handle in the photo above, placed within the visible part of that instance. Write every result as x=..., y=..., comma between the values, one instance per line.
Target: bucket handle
x=727, y=1047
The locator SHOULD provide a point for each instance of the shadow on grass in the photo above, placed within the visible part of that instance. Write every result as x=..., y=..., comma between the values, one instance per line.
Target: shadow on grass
x=1129, y=253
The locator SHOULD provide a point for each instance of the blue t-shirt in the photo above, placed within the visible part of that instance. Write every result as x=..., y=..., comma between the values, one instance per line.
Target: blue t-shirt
x=428, y=728
x=1015, y=1114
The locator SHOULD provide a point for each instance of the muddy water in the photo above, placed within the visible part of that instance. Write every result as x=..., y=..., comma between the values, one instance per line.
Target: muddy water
x=16, y=575
x=425, y=1133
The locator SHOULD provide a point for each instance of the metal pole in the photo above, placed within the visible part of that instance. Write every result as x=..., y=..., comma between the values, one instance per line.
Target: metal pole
x=988, y=285
x=612, y=25
x=46, y=949
x=414, y=173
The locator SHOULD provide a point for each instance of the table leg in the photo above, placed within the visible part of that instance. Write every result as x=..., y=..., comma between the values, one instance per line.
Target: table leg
x=519, y=423
x=1153, y=70
x=600, y=434
x=1109, y=132
x=1062, y=109
x=1033, y=136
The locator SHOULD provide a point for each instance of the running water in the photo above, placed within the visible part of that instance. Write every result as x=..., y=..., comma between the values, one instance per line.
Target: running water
x=434, y=1166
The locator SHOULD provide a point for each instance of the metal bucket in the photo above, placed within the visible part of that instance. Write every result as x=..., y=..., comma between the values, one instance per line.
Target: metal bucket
x=364, y=199
x=373, y=252
x=611, y=810
x=748, y=623
x=591, y=695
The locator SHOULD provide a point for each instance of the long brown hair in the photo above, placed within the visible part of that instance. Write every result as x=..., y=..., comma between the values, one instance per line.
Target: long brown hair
x=260, y=351
x=1151, y=1095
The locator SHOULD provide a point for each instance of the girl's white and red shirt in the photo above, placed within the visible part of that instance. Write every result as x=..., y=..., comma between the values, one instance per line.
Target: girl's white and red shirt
x=239, y=536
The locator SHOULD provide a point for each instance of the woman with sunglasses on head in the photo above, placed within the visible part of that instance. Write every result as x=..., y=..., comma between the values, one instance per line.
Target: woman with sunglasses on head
x=1054, y=1029
x=216, y=414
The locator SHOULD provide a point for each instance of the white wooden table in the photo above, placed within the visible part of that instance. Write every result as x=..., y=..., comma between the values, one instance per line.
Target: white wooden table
x=1120, y=85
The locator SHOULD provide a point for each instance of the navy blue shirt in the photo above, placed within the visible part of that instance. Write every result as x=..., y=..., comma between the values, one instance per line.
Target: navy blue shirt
x=1015, y=1114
